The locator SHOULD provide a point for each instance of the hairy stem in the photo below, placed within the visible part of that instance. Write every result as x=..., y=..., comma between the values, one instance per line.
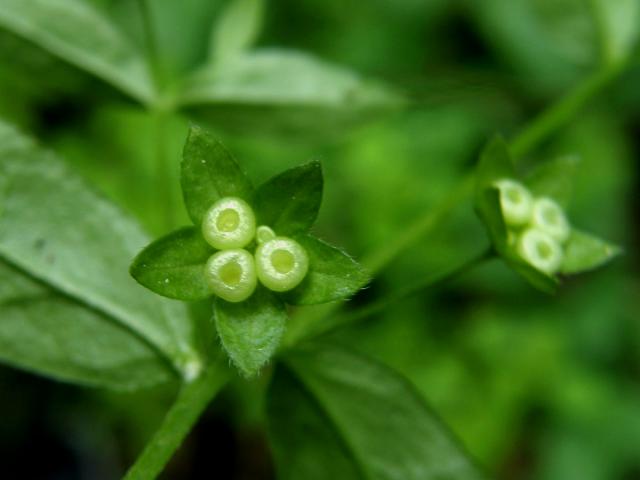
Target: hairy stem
x=192, y=400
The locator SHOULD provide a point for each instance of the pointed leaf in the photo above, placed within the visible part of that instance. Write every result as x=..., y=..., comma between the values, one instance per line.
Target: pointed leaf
x=289, y=202
x=209, y=172
x=55, y=228
x=495, y=164
x=53, y=335
x=554, y=179
x=333, y=275
x=251, y=330
x=368, y=418
x=237, y=28
x=536, y=278
x=585, y=252
x=174, y=265
x=77, y=32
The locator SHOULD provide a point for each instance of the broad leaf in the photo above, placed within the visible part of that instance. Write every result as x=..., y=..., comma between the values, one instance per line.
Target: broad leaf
x=209, y=172
x=174, y=265
x=251, y=331
x=289, y=203
x=55, y=228
x=51, y=334
x=79, y=34
x=279, y=91
x=333, y=275
x=356, y=419
x=585, y=252
x=236, y=29
x=554, y=179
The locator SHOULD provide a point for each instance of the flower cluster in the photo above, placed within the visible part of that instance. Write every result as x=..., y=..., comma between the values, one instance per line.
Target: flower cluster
x=537, y=227
x=279, y=263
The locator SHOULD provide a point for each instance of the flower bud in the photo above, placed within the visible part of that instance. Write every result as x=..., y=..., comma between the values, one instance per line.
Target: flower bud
x=281, y=264
x=540, y=250
x=229, y=223
x=515, y=201
x=549, y=217
x=232, y=274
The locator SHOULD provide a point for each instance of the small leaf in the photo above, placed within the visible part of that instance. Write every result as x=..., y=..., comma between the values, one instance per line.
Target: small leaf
x=251, y=331
x=77, y=32
x=336, y=414
x=495, y=164
x=209, y=172
x=289, y=202
x=585, y=252
x=333, y=275
x=237, y=28
x=619, y=24
x=173, y=266
x=53, y=335
x=554, y=179
x=490, y=211
x=537, y=279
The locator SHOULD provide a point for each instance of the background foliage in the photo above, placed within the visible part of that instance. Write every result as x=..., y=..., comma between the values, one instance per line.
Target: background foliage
x=536, y=387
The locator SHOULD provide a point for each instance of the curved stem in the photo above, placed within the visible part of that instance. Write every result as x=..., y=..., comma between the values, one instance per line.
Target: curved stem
x=178, y=422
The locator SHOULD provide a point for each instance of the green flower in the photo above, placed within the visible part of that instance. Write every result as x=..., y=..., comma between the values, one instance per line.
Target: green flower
x=252, y=273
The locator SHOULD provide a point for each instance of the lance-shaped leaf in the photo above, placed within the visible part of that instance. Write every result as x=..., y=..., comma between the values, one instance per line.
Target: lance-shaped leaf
x=333, y=275
x=55, y=228
x=585, y=252
x=289, y=202
x=336, y=414
x=250, y=331
x=554, y=179
x=236, y=29
x=52, y=334
x=209, y=172
x=78, y=33
x=174, y=265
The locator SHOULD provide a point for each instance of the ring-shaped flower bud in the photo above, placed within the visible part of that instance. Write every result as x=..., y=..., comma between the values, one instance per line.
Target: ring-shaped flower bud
x=232, y=274
x=540, y=250
x=516, y=202
x=229, y=223
x=549, y=217
x=264, y=234
x=281, y=264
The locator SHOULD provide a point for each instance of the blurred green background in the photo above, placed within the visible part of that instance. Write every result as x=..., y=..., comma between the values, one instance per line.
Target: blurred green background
x=536, y=387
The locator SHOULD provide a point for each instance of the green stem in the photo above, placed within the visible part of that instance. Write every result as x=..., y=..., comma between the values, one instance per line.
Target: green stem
x=189, y=405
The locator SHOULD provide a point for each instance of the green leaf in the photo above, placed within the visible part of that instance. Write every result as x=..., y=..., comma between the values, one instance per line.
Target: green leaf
x=289, y=202
x=585, y=252
x=554, y=179
x=209, y=172
x=536, y=278
x=495, y=164
x=56, y=229
x=354, y=418
x=51, y=334
x=174, y=265
x=251, y=331
x=618, y=22
x=490, y=211
x=237, y=28
x=279, y=91
x=78, y=33
x=333, y=275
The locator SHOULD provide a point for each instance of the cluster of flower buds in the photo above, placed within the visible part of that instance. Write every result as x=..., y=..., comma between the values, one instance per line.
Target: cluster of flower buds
x=279, y=263
x=538, y=228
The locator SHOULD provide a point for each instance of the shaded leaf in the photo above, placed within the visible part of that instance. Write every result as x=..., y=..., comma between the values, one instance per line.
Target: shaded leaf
x=289, y=202
x=251, y=330
x=333, y=275
x=81, y=35
x=554, y=179
x=369, y=417
x=585, y=252
x=55, y=228
x=209, y=172
x=174, y=265
x=236, y=29
x=53, y=335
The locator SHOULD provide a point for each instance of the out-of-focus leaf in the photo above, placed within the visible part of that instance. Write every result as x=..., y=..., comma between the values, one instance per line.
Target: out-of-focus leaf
x=333, y=275
x=361, y=413
x=56, y=229
x=174, y=265
x=554, y=179
x=81, y=35
x=51, y=334
x=289, y=202
x=274, y=90
x=236, y=29
x=209, y=172
x=585, y=252
x=251, y=330
x=619, y=24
